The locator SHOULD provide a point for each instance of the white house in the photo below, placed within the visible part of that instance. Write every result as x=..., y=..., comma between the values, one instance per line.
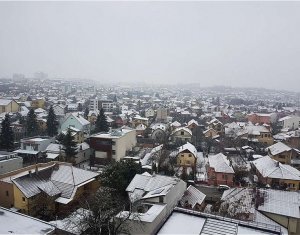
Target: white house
x=289, y=122
x=154, y=197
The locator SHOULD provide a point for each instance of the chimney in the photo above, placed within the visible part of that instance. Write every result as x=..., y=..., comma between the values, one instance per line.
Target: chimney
x=277, y=164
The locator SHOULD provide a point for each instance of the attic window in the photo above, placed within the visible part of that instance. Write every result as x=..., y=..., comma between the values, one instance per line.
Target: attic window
x=182, y=133
x=23, y=199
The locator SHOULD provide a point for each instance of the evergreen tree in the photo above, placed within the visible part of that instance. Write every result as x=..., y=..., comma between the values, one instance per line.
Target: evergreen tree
x=7, y=135
x=52, y=123
x=31, y=123
x=101, y=122
x=69, y=146
x=86, y=113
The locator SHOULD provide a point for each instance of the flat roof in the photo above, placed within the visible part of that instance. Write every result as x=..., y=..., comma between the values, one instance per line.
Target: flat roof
x=14, y=222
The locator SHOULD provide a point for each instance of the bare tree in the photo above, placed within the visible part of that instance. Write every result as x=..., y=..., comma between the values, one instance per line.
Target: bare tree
x=99, y=214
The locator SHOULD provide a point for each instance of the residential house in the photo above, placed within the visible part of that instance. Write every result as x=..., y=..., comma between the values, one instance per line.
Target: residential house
x=268, y=206
x=262, y=118
x=192, y=124
x=219, y=170
x=137, y=120
x=187, y=156
x=76, y=121
x=193, y=199
x=162, y=114
x=260, y=134
x=9, y=161
x=182, y=135
x=56, y=152
x=9, y=106
x=76, y=133
x=275, y=174
x=153, y=198
x=59, y=109
x=284, y=154
x=92, y=116
x=38, y=103
x=113, y=145
x=54, y=188
x=149, y=112
x=32, y=149
x=216, y=125
x=289, y=122
x=211, y=133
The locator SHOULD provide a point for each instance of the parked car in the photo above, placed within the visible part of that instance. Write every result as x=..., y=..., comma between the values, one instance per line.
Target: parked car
x=223, y=187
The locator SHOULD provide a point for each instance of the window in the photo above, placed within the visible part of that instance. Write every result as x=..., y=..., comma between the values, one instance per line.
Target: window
x=266, y=135
x=23, y=199
x=114, y=152
x=182, y=133
x=7, y=194
x=113, y=143
x=182, y=155
x=190, y=155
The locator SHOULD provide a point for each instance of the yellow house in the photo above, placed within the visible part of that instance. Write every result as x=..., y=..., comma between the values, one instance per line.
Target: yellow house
x=210, y=133
x=50, y=189
x=216, y=125
x=9, y=106
x=282, y=153
x=277, y=175
x=258, y=133
x=187, y=155
x=77, y=134
x=137, y=120
x=38, y=103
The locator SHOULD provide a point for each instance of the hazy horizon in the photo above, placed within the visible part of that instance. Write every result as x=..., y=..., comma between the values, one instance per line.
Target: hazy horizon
x=237, y=44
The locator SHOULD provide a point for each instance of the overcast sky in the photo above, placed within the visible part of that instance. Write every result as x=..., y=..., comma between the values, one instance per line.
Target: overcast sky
x=253, y=44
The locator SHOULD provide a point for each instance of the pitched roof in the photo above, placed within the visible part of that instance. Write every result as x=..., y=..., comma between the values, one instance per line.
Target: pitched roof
x=57, y=179
x=271, y=168
x=5, y=102
x=278, y=148
x=220, y=163
x=150, y=184
x=188, y=146
x=183, y=129
x=193, y=196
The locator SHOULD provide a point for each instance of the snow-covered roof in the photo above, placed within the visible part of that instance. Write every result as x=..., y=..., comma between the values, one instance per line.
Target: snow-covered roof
x=271, y=168
x=192, y=122
x=58, y=179
x=17, y=223
x=220, y=163
x=188, y=146
x=280, y=202
x=183, y=221
x=175, y=124
x=278, y=148
x=5, y=102
x=183, y=129
x=157, y=184
x=193, y=196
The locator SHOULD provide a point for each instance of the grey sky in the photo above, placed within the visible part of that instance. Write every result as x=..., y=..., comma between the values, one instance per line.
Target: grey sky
x=215, y=43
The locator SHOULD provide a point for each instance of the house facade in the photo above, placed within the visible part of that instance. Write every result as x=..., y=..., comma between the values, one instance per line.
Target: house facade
x=113, y=145
x=9, y=106
x=219, y=170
